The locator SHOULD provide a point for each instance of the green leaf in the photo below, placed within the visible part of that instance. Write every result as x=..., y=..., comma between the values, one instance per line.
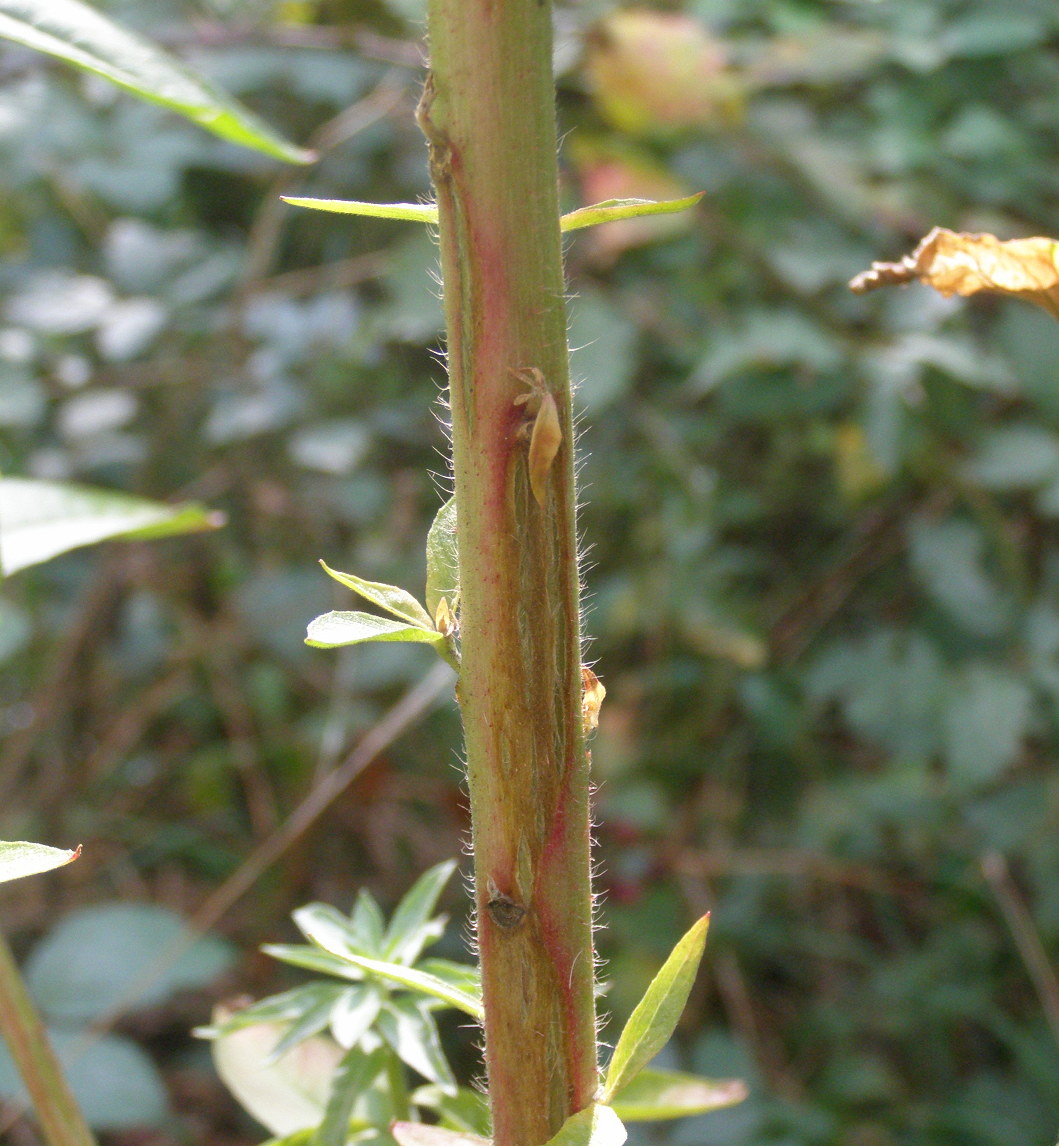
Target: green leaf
x=355, y=1074
x=367, y=924
x=330, y=929
x=335, y=630
x=312, y=959
x=596, y=1125
x=41, y=519
x=466, y=1111
x=315, y=1018
x=73, y=32
x=353, y=1014
x=411, y=927
x=412, y=212
x=19, y=859
x=608, y=211
x=443, y=558
x=422, y=982
x=611, y=210
x=284, y=1009
x=412, y=1033
x=422, y=1134
x=658, y=1094
x=657, y=1013
x=395, y=601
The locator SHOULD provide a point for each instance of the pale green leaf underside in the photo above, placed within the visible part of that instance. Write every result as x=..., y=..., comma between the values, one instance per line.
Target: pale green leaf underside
x=609, y=211
x=41, y=519
x=443, y=558
x=656, y=1015
x=398, y=602
x=74, y=32
x=420, y=981
x=594, y=1126
x=334, y=630
x=18, y=859
x=423, y=1134
x=659, y=1094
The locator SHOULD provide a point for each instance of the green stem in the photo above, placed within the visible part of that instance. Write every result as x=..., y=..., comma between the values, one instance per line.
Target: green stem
x=27, y=1041
x=489, y=118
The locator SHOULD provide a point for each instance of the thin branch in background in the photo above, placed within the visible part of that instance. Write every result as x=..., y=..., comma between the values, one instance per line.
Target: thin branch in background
x=386, y=97
x=1023, y=930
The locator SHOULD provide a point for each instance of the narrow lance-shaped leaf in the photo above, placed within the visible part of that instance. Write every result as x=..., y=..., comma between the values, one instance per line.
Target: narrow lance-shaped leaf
x=354, y=1075
x=410, y=1030
x=656, y=1015
x=611, y=210
x=607, y=211
x=74, y=32
x=594, y=1126
x=421, y=981
x=396, y=601
x=955, y=263
x=660, y=1094
x=405, y=937
x=41, y=519
x=19, y=859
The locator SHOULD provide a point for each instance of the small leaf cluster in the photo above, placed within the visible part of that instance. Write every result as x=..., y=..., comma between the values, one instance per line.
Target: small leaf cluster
x=374, y=1009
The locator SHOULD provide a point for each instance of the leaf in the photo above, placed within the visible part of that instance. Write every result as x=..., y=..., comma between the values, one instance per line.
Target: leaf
x=422, y=982
x=596, y=1125
x=443, y=558
x=87, y=964
x=407, y=935
x=19, y=859
x=412, y=1033
x=422, y=1134
x=285, y=1008
x=355, y=1074
x=659, y=1094
x=467, y=1110
x=287, y=1095
x=411, y=212
x=315, y=1018
x=957, y=263
x=335, y=630
x=367, y=924
x=115, y=1084
x=330, y=929
x=41, y=519
x=353, y=1014
x=73, y=32
x=657, y=1013
x=608, y=211
x=312, y=959
x=611, y=210
x=396, y=601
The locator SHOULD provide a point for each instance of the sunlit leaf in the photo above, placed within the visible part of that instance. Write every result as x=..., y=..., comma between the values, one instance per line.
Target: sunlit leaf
x=19, y=859
x=411, y=212
x=660, y=1094
x=285, y=1095
x=955, y=263
x=74, y=32
x=412, y=1034
x=408, y=931
x=41, y=519
x=611, y=210
x=656, y=1015
x=396, y=601
x=594, y=1126
x=336, y=630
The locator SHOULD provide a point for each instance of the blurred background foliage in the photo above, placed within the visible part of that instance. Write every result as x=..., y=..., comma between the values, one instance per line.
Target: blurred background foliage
x=821, y=535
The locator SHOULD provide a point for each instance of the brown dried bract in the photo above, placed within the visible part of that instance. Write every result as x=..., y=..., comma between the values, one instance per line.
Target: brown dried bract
x=963, y=264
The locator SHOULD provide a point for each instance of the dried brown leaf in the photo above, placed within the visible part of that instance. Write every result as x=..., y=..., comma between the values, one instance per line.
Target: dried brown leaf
x=955, y=263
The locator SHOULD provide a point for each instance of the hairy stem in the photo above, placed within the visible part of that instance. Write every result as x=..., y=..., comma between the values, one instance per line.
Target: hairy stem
x=488, y=115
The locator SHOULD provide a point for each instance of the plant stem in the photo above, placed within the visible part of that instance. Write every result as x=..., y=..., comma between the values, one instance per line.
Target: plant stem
x=27, y=1041
x=488, y=113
